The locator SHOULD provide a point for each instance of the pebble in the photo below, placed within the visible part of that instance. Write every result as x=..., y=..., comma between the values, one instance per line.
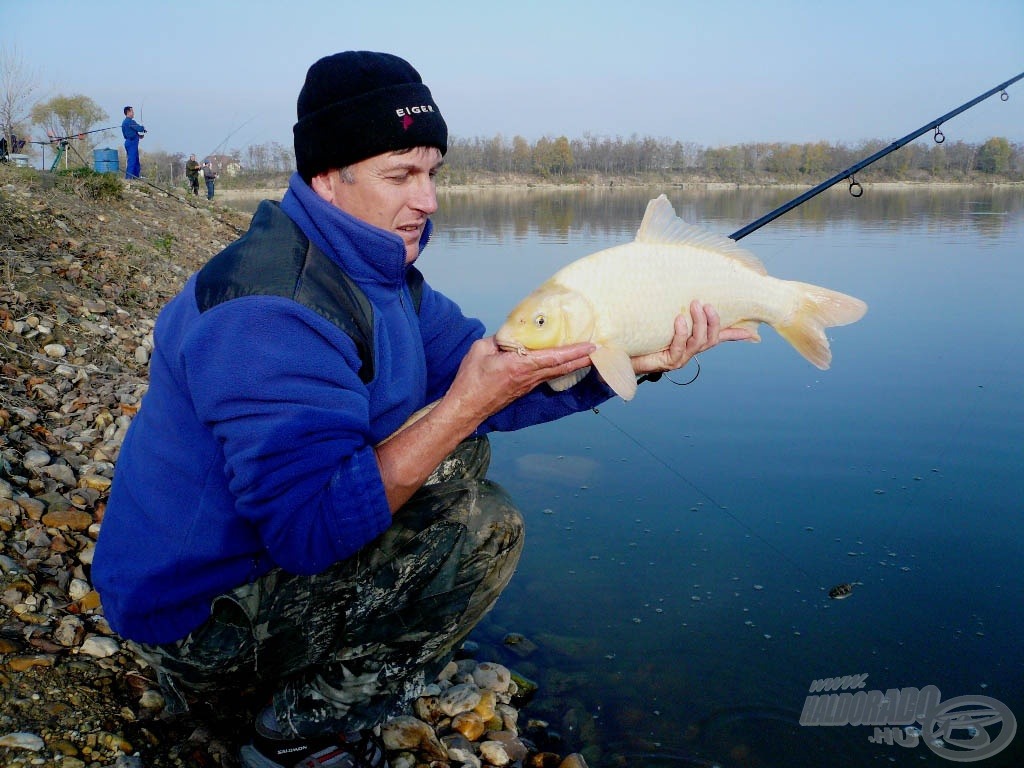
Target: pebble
x=22, y=740
x=100, y=647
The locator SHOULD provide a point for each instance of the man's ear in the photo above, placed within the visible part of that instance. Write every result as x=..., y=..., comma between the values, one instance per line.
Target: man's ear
x=323, y=184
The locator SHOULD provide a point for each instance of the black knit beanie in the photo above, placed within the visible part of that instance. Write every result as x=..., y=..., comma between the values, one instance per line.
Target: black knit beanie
x=358, y=104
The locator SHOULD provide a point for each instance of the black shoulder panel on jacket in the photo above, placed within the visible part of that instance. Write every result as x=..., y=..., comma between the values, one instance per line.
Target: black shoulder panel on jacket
x=274, y=258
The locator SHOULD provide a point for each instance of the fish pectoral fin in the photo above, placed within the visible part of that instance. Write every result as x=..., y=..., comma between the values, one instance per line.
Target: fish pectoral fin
x=564, y=382
x=616, y=369
x=749, y=325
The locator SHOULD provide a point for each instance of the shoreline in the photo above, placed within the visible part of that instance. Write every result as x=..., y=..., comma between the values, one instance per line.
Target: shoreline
x=276, y=193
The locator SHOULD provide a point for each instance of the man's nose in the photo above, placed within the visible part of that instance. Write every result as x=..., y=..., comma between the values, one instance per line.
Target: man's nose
x=425, y=198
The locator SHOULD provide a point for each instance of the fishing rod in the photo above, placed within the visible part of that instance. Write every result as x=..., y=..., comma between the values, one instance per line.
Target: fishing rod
x=51, y=138
x=855, y=189
x=225, y=141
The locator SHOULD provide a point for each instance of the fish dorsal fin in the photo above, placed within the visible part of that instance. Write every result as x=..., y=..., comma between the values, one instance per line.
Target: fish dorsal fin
x=661, y=226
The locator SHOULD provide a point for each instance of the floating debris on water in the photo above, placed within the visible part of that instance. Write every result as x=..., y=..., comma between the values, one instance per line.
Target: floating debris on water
x=840, y=591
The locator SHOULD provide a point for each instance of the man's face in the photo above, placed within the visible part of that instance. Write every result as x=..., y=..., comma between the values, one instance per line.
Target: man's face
x=394, y=191
x=130, y=113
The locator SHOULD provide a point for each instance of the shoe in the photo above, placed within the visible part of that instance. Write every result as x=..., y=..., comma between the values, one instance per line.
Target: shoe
x=363, y=750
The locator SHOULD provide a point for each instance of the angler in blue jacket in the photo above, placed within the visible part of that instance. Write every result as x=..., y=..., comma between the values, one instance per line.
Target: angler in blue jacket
x=263, y=530
x=132, y=133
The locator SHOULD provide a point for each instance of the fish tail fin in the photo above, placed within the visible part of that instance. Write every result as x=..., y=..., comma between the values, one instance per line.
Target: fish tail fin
x=819, y=308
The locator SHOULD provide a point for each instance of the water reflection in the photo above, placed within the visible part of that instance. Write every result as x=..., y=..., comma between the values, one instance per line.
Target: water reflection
x=514, y=213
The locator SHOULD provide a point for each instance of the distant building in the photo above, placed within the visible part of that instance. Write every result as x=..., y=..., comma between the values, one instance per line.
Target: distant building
x=225, y=165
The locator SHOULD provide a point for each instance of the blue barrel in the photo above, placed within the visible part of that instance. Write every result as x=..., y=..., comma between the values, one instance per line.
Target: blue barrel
x=105, y=160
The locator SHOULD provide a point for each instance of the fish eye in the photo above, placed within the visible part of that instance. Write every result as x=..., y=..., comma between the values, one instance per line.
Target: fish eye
x=539, y=319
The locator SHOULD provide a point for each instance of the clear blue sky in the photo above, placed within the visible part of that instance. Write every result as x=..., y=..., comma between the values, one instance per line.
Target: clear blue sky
x=204, y=73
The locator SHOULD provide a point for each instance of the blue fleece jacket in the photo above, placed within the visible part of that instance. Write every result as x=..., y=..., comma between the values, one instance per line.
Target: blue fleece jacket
x=131, y=130
x=253, y=448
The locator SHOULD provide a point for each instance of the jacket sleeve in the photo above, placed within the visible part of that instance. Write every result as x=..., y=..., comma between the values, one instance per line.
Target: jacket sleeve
x=292, y=418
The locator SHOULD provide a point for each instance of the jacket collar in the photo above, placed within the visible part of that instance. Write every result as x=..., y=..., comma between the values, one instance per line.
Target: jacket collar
x=363, y=251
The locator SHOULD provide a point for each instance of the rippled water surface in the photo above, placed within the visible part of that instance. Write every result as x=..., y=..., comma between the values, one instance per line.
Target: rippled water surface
x=681, y=546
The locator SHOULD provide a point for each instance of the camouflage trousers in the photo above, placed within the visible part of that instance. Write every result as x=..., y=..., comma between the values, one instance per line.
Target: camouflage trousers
x=343, y=649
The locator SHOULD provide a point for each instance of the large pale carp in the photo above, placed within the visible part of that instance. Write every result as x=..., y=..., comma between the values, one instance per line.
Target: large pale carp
x=624, y=299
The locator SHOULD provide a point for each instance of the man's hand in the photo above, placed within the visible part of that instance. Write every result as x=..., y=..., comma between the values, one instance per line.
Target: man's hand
x=698, y=333
x=490, y=378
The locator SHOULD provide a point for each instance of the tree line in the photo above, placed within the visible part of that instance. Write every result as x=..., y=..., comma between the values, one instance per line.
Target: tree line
x=590, y=159
x=601, y=159
x=641, y=157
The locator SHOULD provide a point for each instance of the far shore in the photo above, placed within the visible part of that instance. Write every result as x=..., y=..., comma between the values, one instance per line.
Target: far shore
x=276, y=193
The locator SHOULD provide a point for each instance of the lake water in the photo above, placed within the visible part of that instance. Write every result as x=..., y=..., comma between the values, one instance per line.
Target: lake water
x=680, y=547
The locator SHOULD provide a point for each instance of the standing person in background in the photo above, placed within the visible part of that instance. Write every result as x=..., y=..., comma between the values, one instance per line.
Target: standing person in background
x=209, y=176
x=132, y=133
x=192, y=174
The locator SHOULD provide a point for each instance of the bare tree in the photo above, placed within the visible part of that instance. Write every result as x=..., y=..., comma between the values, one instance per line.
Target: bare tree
x=17, y=84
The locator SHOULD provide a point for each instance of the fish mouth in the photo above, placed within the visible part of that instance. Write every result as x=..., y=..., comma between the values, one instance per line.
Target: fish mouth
x=510, y=346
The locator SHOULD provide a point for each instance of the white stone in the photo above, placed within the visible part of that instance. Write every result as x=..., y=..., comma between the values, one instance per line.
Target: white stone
x=22, y=740
x=100, y=647
x=459, y=698
x=78, y=588
x=492, y=677
x=464, y=757
x=494, y=753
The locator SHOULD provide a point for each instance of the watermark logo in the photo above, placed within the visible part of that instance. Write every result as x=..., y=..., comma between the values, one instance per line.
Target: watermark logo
x=963, y=729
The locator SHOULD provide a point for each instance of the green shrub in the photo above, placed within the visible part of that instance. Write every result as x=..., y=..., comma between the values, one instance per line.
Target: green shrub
x=98, y=186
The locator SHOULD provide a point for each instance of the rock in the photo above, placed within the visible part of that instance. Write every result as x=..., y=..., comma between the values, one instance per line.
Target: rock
x=35, y=459
x=469, y=724
x=492, y=677
x=488, y=701
x=152, y=700
x=22, y=740
x=70, y=518
x=575, y=760
x=100, y=647
x=21, y=663
x=494, y=752
x=459, y=698
x=409, y=733
x=70, y=631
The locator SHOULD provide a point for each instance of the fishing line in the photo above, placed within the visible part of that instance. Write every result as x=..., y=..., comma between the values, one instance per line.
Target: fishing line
x=232, y=133
x=717, y=505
